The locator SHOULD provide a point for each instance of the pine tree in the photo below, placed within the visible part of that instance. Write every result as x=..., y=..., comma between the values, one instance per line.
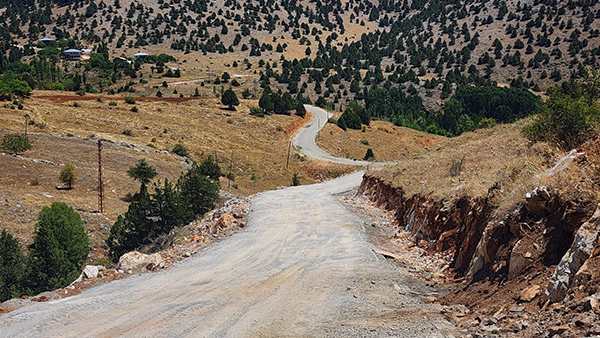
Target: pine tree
x=15, y=143
x=210, y=168
x=265, y=102
x=60, y=247
x=131, y=229
x=230, y=99
x=198, y=192
x=369, y=155
x=142, y=172
x=12, y=265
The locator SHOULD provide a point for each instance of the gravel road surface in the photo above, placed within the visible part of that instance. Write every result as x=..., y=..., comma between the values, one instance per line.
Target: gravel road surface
x=301, y=268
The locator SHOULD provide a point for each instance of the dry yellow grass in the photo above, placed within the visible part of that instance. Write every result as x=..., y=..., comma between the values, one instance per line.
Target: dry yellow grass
x=27, y=183
x=202, y=125
x=389, y=142
x=497, y=155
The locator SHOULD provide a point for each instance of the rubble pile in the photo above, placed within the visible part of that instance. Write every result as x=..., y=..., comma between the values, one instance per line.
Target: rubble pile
x=216, y=224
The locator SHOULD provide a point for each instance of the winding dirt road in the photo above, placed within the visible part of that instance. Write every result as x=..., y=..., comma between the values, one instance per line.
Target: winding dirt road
x=304, y=141
x=302, y=267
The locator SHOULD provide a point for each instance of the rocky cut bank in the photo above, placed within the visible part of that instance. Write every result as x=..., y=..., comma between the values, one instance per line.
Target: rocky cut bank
x=540, y=256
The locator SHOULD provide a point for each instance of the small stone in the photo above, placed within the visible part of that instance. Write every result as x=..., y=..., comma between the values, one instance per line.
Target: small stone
x=595, y=304
x=517, y=308
x=518, y=326
x=491, y=329
x=530, y=293
x=490, y=321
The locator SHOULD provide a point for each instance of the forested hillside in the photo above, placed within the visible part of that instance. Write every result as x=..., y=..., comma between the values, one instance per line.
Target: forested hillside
x=337, y=50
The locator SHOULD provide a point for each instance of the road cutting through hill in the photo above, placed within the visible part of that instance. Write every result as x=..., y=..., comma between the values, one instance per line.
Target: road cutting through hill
x=301, y=268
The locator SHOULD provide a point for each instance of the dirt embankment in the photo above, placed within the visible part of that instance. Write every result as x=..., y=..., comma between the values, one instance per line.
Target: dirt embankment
x=510, y=266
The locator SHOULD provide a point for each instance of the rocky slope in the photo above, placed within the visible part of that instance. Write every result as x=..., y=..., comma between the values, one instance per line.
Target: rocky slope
x=526, y=271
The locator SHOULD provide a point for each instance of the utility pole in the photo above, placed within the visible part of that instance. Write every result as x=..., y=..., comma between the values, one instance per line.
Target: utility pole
x=27, y=117
x=230, y=170
x=288, y=156
x=100, y=185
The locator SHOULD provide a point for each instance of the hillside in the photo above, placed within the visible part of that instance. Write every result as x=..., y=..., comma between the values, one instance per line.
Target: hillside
x=339, y=51
x=509, y=216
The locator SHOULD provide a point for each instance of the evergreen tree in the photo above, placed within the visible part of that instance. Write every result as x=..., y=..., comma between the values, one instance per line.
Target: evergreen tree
x=131, y=229
x=60, y=247
x=351, y=119
x=12, y=265
x=266, y=103
x=300, y=110
x=342, y=123
x=142, y=172
x=198, y=192
x=369, y=155
x=210, y=168
x=15, y=143
x=230, y=99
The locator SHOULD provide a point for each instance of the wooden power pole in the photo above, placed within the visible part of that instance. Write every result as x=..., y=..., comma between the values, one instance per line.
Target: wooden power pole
x=230, y=170
x=100, y=185
x=287, y=163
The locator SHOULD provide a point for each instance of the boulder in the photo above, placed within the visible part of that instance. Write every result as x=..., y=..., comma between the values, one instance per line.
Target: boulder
x=91, y=271
x=224, y=222
x=519, y=259
x=136, y=260
x=580, y=250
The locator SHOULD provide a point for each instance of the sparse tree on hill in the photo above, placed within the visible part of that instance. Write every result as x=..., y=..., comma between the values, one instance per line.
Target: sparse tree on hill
x=180, y=150
x=369, y=155
x=142, y=172
x=225, y=77
x=15, y=143
x=230, y=99
x=68, y=175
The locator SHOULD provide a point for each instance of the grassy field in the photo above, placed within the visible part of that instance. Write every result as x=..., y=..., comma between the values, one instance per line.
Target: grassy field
x=472, y=163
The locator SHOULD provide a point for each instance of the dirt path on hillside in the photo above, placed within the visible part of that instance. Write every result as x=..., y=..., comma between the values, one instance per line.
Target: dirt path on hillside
x=304, y=141
x=301, y=268
x=69, y=98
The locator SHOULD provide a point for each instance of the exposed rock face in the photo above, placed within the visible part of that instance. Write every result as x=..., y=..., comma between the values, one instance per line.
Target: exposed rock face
x=537, y=232
x=456, y=226
x=580, y=250
x=135, y=260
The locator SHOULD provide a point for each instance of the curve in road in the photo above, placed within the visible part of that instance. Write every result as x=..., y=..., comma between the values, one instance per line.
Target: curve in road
x=304, y=141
